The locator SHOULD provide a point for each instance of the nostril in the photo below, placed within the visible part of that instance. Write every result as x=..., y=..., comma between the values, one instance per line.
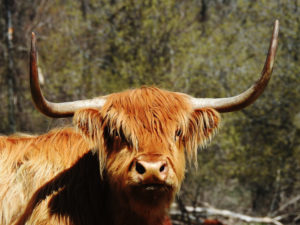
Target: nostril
x=162, y=168
x=140, y=168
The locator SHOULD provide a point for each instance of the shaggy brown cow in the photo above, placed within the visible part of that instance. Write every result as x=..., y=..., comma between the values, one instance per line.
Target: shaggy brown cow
x=122, y=164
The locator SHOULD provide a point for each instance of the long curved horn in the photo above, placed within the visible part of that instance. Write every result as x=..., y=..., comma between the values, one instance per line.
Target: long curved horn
x=56, y=110
x=249, y=96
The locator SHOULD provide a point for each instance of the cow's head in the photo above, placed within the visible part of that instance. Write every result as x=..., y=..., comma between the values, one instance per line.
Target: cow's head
x=143, y=136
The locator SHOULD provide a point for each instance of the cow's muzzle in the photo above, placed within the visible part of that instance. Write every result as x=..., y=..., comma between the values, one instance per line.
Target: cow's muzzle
x=150, y=171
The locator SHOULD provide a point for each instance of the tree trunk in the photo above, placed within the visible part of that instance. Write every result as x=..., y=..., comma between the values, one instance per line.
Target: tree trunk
x=10, y=78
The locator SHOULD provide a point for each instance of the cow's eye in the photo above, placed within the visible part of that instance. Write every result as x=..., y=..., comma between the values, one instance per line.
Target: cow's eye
x=114, y=134
x=120, y=138
x=178, y=133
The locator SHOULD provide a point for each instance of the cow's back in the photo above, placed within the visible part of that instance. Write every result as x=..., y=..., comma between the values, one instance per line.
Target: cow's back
x=27, y=162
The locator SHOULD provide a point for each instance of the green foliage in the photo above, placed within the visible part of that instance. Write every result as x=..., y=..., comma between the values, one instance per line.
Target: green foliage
x=204, y=48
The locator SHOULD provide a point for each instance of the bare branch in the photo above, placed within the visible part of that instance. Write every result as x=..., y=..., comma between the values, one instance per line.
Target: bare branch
x=287, y=204
x=211, y=211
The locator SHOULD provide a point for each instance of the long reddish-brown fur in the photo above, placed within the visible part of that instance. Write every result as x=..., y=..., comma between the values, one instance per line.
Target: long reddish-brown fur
x=84, y=175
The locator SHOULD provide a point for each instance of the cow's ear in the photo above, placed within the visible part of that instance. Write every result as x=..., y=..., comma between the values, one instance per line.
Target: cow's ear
x=88, y=122
x=203, y=124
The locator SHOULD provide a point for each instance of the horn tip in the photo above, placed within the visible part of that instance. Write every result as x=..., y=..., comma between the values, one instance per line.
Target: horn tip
x=33, y=36
x=276, y=25
x=33, y=42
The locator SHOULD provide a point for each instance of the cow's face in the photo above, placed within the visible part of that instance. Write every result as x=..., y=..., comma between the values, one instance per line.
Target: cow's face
x=142, y=137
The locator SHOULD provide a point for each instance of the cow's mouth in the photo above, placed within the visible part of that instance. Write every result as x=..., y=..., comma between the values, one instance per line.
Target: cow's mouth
x=152, y=194
x=155, y=187
x=152, y=188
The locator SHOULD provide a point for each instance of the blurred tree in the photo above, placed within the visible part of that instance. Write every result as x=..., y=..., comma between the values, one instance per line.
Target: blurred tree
x=9, y=61
x=204, y=48
x=19, y=19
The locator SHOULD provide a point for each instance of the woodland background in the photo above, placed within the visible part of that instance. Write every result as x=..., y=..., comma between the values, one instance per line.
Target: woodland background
x=205, y=48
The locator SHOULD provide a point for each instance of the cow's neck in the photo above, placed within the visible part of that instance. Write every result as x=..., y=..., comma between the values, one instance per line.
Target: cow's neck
x=127, y=217
x=124, y=215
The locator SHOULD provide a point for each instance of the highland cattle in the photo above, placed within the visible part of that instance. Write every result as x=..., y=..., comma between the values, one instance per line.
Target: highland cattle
x=123, y=161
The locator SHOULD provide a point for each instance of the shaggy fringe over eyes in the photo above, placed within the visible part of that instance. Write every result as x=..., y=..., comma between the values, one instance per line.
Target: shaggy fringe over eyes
x=103, y=131
x=203, y=125
x=141, y=116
